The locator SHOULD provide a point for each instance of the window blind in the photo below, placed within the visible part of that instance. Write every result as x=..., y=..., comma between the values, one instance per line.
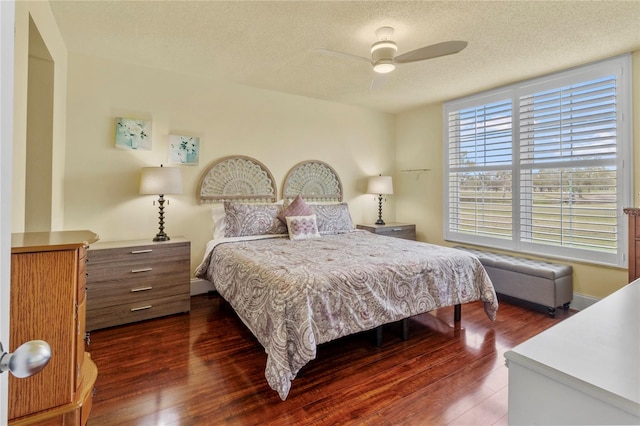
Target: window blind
x=568, y=148
x=543, y=166
x=480, y=159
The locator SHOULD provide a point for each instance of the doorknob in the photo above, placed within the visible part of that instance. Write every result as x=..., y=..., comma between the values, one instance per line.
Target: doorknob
x=27, y=360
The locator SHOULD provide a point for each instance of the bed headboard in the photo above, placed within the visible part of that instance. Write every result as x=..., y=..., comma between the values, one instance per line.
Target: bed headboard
x=315, y=181
x=237, y=178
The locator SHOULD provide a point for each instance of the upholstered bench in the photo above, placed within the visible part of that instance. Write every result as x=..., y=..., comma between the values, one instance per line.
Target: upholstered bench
x=543, y=283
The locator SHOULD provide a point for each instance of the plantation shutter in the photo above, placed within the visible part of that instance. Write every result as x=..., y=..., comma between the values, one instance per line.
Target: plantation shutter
x=568, y=151
x=543, y=166
x=480, y=161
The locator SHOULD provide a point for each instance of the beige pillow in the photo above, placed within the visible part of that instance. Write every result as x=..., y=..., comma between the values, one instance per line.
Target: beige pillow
x=302, y=227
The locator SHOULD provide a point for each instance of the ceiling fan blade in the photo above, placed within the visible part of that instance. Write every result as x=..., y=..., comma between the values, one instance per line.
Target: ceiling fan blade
x=337, y=54
x=433, y=51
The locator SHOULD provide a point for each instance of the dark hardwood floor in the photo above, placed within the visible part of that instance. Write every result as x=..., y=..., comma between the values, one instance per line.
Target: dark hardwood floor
x=205, y=368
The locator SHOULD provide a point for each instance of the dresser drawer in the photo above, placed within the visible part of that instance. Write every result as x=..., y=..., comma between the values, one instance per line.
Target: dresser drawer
x=81, y=330
x=121, y=263
x=139, y=287
x=82, y=275
x=397, y=230
x=407, y=232
x=136, y=272
x=136, y=311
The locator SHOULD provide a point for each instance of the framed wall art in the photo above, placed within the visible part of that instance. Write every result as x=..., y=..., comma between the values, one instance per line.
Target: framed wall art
x=184, y=150
x=133, y=134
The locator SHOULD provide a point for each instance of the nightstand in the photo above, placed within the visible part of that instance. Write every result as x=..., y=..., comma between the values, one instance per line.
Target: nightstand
x=130, y=281
x=392, y=229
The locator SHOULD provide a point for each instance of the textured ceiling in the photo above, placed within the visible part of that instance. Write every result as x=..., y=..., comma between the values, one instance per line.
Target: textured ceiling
x=271, y=45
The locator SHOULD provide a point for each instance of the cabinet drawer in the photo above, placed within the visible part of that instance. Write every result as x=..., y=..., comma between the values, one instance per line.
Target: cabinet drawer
x=396, y=230
x=137, y=271
x=131, y=312
x=81, y=329
x=82, y=275
x=139, y=288
x=407, y=232
x=119, y=256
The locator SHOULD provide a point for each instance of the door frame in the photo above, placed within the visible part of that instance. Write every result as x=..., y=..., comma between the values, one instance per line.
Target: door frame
x=7, y=44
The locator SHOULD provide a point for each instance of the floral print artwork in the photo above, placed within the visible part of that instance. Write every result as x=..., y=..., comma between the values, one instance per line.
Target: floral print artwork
x=184, y=150
x=133, y=134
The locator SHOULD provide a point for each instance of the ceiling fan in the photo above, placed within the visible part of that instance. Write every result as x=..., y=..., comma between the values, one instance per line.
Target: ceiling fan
x=383, y=52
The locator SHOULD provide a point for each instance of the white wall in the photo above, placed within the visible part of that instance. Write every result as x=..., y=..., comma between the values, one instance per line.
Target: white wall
x=101, y=182
x=40, y=13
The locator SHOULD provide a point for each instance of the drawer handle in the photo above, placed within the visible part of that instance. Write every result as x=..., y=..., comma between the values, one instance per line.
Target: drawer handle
x=141, y=308
x=134, y=290
x=397, y=229
x=135, y=271
x=141, y=251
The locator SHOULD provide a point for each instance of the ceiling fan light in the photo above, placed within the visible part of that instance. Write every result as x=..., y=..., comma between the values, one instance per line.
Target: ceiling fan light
x=384, y=44
x=383, y=66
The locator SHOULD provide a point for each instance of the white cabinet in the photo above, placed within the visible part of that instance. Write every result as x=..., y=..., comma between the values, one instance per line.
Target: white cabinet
x=585, y=370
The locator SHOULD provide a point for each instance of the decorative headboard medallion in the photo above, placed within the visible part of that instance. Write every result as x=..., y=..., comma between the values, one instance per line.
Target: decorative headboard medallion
x=237, y=178
x=314, y=180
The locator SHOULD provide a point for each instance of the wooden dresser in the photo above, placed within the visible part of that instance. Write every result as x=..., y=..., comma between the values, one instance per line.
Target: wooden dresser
x=129, y=281
x=634, y=242
x=392, y=229
x=48, y=303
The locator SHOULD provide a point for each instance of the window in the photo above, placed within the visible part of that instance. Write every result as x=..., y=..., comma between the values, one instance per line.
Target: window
x=543, y=166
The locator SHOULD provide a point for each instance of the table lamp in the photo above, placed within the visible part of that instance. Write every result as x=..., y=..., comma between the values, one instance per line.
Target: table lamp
x=160, y=181
x=381, y=185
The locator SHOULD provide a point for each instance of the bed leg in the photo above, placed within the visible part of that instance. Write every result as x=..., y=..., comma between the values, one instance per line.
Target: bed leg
x=405, y=329
x=379, y=336
x=457, y=313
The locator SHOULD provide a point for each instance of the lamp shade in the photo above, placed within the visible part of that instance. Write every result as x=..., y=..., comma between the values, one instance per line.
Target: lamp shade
x=160, y=180
x=380, y=185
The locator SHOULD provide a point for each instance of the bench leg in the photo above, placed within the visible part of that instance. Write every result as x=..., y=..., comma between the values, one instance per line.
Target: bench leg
x=552, y=312
x=566, y=306
x=457, y=312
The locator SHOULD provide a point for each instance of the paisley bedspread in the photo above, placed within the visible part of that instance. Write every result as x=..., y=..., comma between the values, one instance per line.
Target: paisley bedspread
x=295, y=295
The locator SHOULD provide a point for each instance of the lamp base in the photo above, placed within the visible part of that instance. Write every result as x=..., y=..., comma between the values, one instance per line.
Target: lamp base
x=380, y=221
x=161, y=237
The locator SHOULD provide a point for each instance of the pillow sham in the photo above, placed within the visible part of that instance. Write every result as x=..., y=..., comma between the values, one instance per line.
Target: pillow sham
x=218, y=215
x=252, y=219
x=302, y=227
x=333, y=218
x=298, y=207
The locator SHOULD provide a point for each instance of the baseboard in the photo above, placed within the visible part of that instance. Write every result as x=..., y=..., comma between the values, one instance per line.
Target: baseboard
x=200, y=286
x=581, y=301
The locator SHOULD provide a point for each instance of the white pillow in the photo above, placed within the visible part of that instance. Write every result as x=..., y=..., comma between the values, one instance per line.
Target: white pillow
x=302, y=227
x=219, y=225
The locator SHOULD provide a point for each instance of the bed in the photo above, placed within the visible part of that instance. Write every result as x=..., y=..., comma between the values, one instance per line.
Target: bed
x=295, y=293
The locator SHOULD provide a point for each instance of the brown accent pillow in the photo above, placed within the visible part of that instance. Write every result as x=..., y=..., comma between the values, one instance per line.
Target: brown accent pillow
x=297, y=207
